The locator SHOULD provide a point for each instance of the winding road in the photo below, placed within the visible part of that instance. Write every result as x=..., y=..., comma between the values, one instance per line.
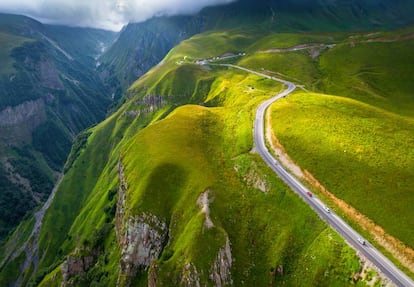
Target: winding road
x=349, y=234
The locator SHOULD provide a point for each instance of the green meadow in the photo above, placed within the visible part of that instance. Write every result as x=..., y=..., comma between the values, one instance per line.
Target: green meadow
x=371, y=117
x=361, y=153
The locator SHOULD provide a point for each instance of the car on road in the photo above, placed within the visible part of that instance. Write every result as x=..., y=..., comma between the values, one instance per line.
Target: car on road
x=309, y=194
x=362, y=241
x=327, y=209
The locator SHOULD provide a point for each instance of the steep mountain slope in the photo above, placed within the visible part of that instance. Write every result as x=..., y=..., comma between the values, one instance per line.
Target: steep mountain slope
x=48, y=93
x=183, y=201
x=163, y=192
x=365, y=140
x=143, y=45
x=159, y=195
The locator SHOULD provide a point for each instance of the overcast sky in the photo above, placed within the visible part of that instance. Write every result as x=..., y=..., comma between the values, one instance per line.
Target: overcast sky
x=107, y=14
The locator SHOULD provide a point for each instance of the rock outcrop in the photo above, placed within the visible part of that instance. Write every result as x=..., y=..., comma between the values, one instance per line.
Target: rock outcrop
x=203, y=201
x=141, y=237
x=142, y=241
x=190, y=276
x=32, y=112
x=49, y=76
x=120, y=205
x=75, y=265
x=220, y=271
x=151, y=103
x=146, y=105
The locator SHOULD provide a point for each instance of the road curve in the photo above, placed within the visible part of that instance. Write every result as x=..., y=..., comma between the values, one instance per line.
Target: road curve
x=349, y=234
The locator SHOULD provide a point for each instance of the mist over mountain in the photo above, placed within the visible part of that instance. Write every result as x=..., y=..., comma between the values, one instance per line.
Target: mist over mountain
x=104, y=14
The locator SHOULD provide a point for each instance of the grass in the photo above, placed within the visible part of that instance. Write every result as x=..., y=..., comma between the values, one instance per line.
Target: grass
x=7, y=44
x=200, y=148
x=174, y=154
x=296, y=67
x=11, y=271
x=379, y=77
x=338, y=138
x=379, y=74
x=201, y=165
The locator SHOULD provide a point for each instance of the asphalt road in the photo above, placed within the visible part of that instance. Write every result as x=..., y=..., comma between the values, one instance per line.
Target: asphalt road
x=349, y=234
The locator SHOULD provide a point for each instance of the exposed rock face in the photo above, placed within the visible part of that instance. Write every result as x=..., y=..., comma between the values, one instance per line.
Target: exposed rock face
x=123, y=187
x=142, y=241
x=219, y=275
x=18, y=123
x=141, y=237
x=19, y=180
x=190, y=276
x=75, y=266
x=151, y=103
x=203, y=201
x=146, y=105
x=153, y=274
x=49, y=76
x=220, y=271
x=28, y=112
x=253, y=178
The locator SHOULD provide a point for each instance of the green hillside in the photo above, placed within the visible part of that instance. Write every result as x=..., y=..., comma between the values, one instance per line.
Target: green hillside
x=140, y=46
x=374, y=130
x=191, y=172
x=168, y=189
x=366, y=147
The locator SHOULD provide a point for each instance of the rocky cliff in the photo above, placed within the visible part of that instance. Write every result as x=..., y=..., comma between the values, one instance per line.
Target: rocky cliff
x=141, y=238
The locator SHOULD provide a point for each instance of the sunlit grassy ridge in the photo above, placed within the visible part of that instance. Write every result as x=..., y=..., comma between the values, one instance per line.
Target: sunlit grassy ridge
x=380, y=74
x=167, y=179
x=374, y=174
x=375, y=68
x=175, y=152
x=362, y=154
x=169, y=163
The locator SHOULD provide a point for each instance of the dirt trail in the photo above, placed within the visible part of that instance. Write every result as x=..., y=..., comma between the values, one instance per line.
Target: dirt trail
x=299, y=47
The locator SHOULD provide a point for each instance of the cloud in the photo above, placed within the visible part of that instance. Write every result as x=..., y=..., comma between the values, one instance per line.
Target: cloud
x=107, y=14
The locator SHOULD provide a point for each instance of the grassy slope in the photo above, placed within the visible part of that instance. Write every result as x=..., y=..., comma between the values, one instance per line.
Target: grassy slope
x=7, y=43
x=380, y=74
x=367, y=148
x=178, y=158
x=167, y=179
x=376, y=128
